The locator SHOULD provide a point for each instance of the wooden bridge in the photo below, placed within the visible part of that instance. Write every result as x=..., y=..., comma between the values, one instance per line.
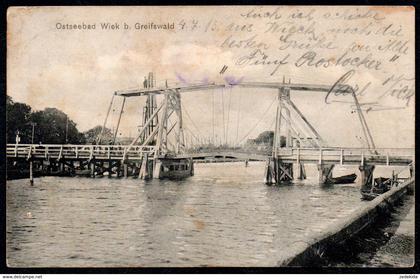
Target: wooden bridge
x=325, y=155
x=303, y=144
x=78, y=152
x=347, y=156
x=131, y=157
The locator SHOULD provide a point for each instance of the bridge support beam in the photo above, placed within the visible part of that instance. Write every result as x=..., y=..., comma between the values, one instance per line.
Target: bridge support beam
x=325, y=173
x=92, y=168
x=284, y=171
x=109, y=169
x=62, y=167
x=366, y=175
x=125, y=166
x=146, y=168
x=300, y=171
x=269, y=172
x=278, y=171
x=157, y=169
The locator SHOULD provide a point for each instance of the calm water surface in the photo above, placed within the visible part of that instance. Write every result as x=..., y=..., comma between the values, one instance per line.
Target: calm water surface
x=223, y=216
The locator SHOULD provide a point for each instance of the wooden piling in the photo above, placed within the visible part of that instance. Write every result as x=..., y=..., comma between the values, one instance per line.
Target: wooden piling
x=31, y=173
x=366, y=174
x=143, y=174
x=300, y=171
x=325, y=173
x=269, y=173
x=61, y=168
x=92, y=168
x=125, y=170
x=109, y=169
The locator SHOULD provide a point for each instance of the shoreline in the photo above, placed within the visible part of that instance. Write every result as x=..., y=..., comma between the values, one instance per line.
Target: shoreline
x=312, y=253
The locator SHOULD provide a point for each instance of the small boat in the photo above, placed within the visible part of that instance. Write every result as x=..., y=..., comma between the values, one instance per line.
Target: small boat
x=380, y=186
x=345, y=179
x=174, y=168
x=368, y=196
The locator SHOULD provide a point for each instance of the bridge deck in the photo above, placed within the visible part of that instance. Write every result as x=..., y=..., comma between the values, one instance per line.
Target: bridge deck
x=347, y=156
x=77, y=152
x=336, y=155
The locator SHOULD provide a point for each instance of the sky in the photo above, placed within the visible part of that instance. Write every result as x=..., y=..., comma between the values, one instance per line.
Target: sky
x=77, y=71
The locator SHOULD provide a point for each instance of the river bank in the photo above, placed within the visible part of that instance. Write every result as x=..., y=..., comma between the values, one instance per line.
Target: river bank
x=339, y=244
x=388, y=243
x=399, y=250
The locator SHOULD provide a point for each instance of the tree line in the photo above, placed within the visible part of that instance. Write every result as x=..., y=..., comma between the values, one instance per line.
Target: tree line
x=50, y=126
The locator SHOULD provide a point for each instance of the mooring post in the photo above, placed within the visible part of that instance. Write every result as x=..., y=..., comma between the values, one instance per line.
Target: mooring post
x=144, y=168
x=393, y=178
x=300, y=171
x=268, y=179
x=150, y=167
x=31, y=173
x=118, y=166
x=300, y=168
x=366, y=175
x=61, y=167
x=92, y=168
x=191, y=167
x=325, y=173
x=109, y=169
x=125, y=170
x=157, y=169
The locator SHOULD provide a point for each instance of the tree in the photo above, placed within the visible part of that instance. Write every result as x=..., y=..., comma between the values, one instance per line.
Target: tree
x=91, y=135
x=18, y=118
x=267, y=137
x=51, y=125
x=54, y=126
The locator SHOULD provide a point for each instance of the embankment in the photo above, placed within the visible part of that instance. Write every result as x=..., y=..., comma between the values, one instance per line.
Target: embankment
x=309, y=252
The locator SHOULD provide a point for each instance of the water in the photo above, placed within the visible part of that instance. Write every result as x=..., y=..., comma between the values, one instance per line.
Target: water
x=223, y=216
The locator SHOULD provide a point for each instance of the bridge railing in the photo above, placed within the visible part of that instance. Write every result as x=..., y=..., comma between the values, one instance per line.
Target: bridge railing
x=339, y=155
x=77, y=151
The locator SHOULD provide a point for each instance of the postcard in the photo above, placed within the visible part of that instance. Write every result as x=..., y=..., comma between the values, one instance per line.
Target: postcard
x=210, y=136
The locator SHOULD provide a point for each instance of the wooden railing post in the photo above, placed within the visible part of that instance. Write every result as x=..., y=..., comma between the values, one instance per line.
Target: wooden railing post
x=61, y=152
x=362, y=161
x=125, y=153
x=320, y=156
x=341, y=156
x=91, y=153
x=298, y=156
x=29, y=152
